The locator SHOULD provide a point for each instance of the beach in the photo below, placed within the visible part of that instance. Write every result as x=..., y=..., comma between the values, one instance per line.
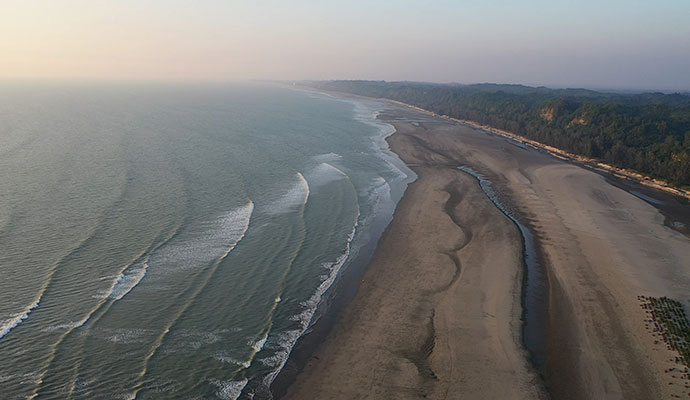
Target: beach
x=438, y=313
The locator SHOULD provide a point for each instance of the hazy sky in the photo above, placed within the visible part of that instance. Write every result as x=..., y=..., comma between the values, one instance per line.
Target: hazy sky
x=604, y=44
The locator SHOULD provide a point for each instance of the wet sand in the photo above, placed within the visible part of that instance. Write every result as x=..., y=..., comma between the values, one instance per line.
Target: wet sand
x=437, y=313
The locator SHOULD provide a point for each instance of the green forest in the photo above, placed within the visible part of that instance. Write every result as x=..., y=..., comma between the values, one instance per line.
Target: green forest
x=648, y=133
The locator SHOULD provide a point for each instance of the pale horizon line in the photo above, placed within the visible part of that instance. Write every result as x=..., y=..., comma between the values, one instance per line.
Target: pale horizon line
x=121, y=80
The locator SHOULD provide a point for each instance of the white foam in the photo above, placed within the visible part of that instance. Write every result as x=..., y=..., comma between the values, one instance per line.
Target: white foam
x=234, y=226
x=325, y=172
x=282, y=343
x=286, y=340
x=60, y=327
x=369, y=116
x=229, y=390
x=210, y=241
x=256, y=346
x=207, y=337
x=259, y=344
x=7, y=325
x=225, y=358
x=381, y=188
x=127, y=336
x=67, y=326
x=379, y=193
x=293, y=199
x=187, y=340
x=328, y=157
x=122, y=284
x=128, y=279
x=30, y=377
x=334, y=268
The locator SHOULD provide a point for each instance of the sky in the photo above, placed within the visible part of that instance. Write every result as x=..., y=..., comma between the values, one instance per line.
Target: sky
x=611, y=44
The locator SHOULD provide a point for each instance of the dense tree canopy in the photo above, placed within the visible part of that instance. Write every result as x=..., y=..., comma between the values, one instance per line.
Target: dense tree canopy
x=648, y=133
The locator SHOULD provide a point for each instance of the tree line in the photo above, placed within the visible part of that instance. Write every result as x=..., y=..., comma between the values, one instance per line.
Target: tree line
x=648, y=132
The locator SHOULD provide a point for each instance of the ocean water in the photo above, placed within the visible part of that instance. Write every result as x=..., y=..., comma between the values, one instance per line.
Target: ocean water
x=174, y=241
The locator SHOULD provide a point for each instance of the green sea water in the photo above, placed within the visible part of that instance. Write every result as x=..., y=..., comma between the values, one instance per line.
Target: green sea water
x=175, y=241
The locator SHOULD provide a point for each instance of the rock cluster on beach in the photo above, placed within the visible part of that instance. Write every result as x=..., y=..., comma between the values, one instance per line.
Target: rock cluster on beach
x=668, y=322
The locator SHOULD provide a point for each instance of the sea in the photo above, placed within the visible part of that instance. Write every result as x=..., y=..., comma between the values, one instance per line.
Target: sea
x=168, y=240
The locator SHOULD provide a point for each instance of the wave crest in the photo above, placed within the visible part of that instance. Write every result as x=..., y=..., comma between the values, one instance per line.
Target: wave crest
x=7, y=325
x=295, y=198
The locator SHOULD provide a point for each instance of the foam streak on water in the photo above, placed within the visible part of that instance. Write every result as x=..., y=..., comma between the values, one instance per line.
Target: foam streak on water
x=380, y=146
x=229, y=390
x=7, y=325
x=203, y=243
x=288, y=339
x=130, y=275
x=18, y=318
x=234, y=226
x=378, y=191
x=328, y=166
x=295, y=198
x=128, y=280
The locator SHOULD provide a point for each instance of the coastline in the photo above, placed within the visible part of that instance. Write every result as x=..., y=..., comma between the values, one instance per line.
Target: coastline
x=343, y=289
x=425, y=318
x=597, y=344
x=656, y=192
x=591, y=163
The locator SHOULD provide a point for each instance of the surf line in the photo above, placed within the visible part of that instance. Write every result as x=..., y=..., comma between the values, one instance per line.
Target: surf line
x=314, y=301
x=258, y=346
x=112, y=297
x=194, y=293
x=37, y=302
x=106, y=300
x=14, y=322
x=19, y=317
x=6, y=327
x=534, y=291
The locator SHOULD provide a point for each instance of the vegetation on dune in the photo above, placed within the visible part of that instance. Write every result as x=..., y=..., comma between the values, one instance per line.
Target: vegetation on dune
x=648, y=133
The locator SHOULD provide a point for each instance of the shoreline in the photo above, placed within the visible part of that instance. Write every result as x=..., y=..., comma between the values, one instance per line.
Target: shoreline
x=502, y=352
x=597, y=264
x=345, y=286
x=587, y=162
x=622, y=178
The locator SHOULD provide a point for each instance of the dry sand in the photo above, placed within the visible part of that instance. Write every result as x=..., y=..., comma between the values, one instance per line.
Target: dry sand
x=437, y=313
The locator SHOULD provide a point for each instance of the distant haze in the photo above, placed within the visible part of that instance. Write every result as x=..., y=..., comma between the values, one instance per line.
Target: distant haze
x=611, y=44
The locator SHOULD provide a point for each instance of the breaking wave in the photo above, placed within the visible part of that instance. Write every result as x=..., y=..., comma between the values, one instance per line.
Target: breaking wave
x=229, y=390
x=210, y=241
x=293, y=199
x=7, y=325
x=127, y=280
x=286, y=340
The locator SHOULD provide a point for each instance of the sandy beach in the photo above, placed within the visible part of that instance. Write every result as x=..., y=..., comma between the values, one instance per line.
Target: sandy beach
x=438, y=311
